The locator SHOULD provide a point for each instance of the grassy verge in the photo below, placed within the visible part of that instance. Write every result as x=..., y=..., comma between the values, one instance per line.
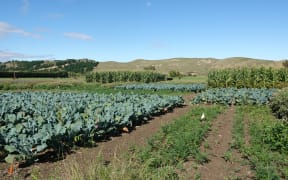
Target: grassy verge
x=268, y=141
x=71, y=84
x=85, y=87
x=162, y=158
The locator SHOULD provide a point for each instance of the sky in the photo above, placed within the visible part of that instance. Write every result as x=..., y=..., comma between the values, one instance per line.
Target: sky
x=124, y=30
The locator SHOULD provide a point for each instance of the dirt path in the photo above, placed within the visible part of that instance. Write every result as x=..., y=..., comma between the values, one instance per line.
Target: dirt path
x=224, y=162
x=116, y=145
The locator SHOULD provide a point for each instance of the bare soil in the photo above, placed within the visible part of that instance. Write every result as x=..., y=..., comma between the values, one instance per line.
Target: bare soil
x=108, y=148
x=224, y=162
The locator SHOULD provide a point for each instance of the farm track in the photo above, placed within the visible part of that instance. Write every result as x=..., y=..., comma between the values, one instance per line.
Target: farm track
x=223, y=162
x=115, y=145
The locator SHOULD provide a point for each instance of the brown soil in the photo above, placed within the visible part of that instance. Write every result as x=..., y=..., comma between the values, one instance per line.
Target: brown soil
x=115, y=145
x=224, y=162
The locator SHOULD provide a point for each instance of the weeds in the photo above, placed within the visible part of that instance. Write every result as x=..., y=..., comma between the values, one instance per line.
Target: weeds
x=160, y=159
x=268, y=160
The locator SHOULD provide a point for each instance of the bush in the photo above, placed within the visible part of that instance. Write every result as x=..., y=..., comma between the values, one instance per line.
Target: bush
x=174, y=73
x=285, y=63
x=279, y=105
x=276, y=136
x=150, y=68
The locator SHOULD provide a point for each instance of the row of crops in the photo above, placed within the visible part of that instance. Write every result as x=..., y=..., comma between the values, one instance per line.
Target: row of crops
x=160, y=86
x=124, y=76
x=32, y=122
x=233, y=96
x=248, y=78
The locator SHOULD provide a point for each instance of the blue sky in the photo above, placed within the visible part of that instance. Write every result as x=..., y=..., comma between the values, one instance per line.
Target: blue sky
x=124, y=30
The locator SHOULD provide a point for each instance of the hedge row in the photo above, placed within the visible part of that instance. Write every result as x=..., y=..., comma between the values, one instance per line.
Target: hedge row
x=33, y=74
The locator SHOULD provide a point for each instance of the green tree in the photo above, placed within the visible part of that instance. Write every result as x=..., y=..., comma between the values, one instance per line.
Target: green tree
x=285, y=63
x=174, y=73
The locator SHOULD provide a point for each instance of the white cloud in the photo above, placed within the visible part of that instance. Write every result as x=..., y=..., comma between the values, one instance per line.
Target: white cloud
x=6, y=29
x=80, y=36
x=25, y=6
x=8, y=55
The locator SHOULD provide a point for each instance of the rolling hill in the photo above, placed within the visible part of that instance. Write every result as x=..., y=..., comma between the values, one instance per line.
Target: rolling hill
x=200, y=66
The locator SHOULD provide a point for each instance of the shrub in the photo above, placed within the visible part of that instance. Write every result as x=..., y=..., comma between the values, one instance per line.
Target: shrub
x=174, y=73
x=285, y=63
x=279, y=105
x=150, y=68
x=276, y=136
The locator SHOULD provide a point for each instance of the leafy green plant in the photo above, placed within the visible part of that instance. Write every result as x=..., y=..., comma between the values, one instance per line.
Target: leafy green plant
x=227, y=156
x=32, y=122
x=279, y=105
x=267, y=150
x=162, y=86
x=233, y=96
x=276, y=135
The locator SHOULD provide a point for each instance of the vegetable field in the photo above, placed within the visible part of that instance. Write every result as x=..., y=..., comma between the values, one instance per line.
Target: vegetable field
x=171, y=87
x=32, y=122
x=249, y=118
x=233, y=96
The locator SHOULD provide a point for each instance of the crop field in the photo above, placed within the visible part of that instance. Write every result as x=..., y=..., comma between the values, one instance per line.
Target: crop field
x=104, y=126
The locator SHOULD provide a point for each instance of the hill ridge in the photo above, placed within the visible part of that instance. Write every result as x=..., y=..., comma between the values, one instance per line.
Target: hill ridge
x=200, y=66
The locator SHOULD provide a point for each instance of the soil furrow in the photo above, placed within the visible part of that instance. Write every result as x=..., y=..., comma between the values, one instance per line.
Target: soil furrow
x=224, y=162
x=218, y=139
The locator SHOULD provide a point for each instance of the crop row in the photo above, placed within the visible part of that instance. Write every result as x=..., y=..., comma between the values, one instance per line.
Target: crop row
x=248, y=78
x=233, y=96
x=171, y=87
x=31, y=122
x=124, y=76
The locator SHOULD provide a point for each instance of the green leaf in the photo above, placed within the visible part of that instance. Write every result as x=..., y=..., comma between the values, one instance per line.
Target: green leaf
x=75, y=127
x=19, y=128
x=41, y=147
x=10, y=158
x=10, y=148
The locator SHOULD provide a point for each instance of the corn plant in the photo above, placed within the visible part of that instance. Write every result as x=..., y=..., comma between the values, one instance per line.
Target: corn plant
x=248, y=78
x=124, y=76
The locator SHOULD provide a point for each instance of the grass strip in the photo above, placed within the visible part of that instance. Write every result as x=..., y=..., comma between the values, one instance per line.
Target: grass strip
x=265, y=152
x=238, y=130
x=79, y=87
x=162, y=158
x=180, y=139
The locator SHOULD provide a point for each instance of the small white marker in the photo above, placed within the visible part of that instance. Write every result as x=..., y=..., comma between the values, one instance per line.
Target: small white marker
x=203, y=116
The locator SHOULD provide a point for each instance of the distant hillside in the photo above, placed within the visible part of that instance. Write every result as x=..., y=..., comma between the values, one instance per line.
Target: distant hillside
x=69, y=65
x=200, y=66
